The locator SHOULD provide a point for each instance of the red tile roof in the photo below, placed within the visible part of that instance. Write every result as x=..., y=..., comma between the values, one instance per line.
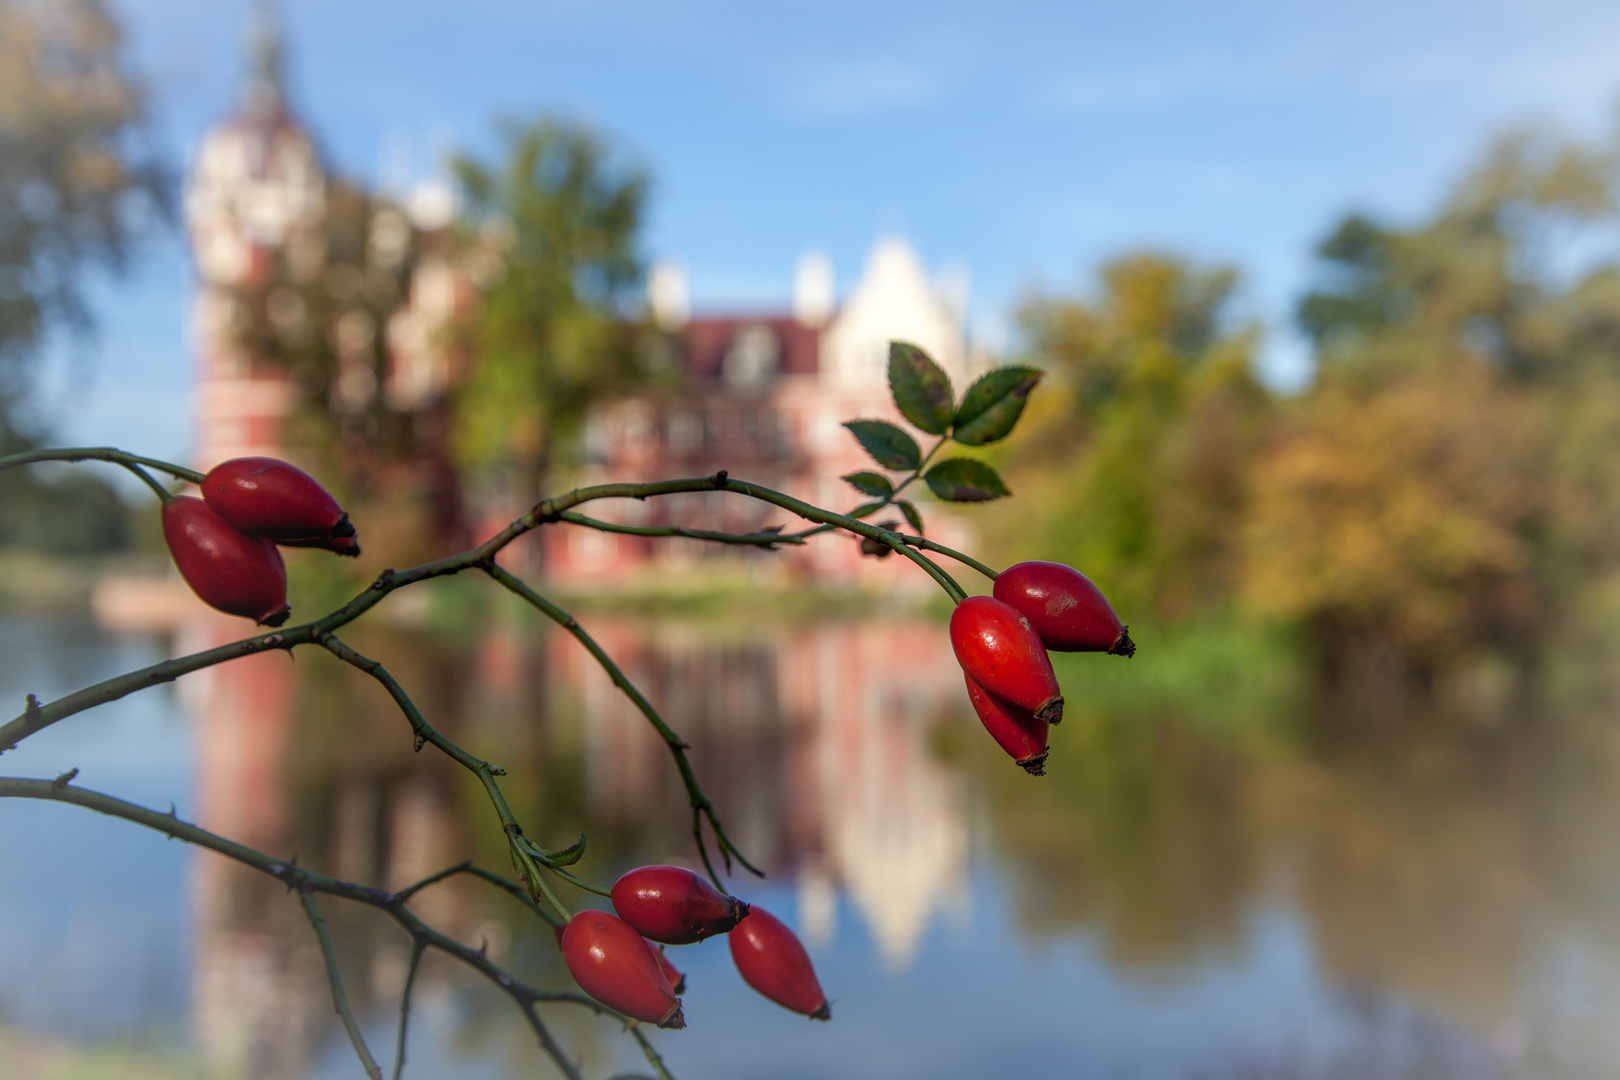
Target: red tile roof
x=706, y=340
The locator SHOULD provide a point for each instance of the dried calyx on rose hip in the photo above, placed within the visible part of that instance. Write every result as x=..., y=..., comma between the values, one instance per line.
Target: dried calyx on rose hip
x=770, y=959
x=612, y=963
x=1065, y=608
x=1000, y=651
x=269, y=498
x=1016, y=730
x=228, y=570
x=673, y=905
x=343, y=545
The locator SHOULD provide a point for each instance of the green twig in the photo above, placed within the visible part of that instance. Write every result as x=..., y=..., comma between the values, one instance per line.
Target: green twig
x=860, y=528
x=677, y=746
x=427, y=733
x=340, y=999
x=417, y=949
x=767, y=540
x=966, y=560
x=918, y=471
x=164, y=494
x=653, y=1057
x=101, y=453
x=506, y=885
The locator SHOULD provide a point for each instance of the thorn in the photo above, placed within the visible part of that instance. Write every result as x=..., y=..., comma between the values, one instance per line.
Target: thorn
x=32, y=704
x=62, y=781
x=173, y=812
x=483, y=947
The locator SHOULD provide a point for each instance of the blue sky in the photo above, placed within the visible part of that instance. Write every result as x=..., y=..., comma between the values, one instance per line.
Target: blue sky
x=1027, y=141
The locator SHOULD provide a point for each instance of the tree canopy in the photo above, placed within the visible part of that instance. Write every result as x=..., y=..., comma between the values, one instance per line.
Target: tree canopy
x=555, y=333
x=80, y=184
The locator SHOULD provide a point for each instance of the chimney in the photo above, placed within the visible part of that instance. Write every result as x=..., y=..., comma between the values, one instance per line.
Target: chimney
x=667, y=294
x=814, y=295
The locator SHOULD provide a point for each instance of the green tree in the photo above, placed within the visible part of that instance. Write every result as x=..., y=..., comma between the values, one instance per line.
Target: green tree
x=1134, y=465
x=80, y=183
x=555, y=333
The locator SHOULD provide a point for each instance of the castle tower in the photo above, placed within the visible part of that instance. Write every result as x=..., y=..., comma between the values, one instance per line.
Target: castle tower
x=255, y=195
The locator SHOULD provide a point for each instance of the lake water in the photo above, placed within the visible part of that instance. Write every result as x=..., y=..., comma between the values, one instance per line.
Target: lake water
x=1178, y=897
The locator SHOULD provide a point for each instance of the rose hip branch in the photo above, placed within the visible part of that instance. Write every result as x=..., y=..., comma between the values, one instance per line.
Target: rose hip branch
x=226, y=544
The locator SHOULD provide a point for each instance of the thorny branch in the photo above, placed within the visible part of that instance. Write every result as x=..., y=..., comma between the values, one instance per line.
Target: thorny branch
x=307, y=883
x=702, y=808
x=426, y=733
x=417, y=949
x=340, y=997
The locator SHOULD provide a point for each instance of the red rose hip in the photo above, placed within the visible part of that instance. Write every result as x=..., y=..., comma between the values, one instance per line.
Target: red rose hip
x=677, y=979
x=1068, y=612
x=673, y=905
x=771, y=960
x=612, y=963
x=999, y=650
x=229, y=571
x=1018, y=731
x=267, y=497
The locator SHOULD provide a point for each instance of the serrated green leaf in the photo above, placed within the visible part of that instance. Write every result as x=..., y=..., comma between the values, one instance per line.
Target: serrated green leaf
x=870, y=483
x=961, y=479
x=567, y=856
x=921, y=389
x=889, y=446
x=866, y=508
x=993, y=404
x=912, y=516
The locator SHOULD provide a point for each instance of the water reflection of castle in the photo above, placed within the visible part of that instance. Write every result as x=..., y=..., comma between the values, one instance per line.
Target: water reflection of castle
x=814, y=744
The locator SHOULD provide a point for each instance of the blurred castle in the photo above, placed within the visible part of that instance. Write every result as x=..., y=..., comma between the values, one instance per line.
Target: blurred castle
x=762, y=395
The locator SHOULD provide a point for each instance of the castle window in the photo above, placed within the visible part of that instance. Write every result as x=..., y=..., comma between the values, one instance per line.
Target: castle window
x=753, y=357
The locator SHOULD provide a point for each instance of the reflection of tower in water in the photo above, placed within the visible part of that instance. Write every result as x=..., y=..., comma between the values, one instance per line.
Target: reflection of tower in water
x=814, y=745
x=251, y=1013
x=373, y=813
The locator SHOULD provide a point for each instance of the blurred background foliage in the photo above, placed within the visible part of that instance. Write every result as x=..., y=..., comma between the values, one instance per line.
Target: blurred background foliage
x=567, y=219
x=81, y=183
x=1439, y=506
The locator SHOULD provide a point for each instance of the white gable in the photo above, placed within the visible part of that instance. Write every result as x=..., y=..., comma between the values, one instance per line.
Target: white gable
x=894, y=301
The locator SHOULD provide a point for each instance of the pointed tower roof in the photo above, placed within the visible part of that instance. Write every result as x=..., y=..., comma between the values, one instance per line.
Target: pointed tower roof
x=265, y=89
